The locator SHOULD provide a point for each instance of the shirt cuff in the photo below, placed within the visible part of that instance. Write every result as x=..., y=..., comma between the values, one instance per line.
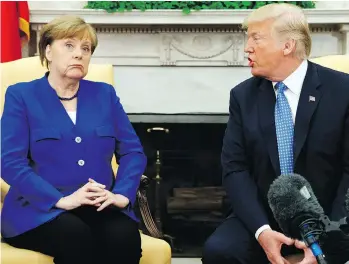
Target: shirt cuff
x=260, y=230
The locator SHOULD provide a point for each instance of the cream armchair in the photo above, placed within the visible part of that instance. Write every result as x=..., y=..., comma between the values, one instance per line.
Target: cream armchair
x=154, y=250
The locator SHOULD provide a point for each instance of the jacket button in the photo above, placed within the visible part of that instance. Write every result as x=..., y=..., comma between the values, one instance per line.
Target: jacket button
x=81, y=162
x=78, y=139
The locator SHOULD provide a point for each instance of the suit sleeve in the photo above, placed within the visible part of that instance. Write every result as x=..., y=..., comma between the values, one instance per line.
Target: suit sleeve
x=128, y=152
x=338, y=207
x=15, y=169
x=241, y=188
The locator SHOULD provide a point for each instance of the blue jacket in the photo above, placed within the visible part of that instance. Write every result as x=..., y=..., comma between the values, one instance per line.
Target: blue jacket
x=45, y=156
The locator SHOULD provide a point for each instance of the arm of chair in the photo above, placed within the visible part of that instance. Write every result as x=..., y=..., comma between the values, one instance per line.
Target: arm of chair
x=144, y=209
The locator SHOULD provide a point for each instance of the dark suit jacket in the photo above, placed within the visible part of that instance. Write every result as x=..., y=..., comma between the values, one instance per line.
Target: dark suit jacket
x=321, y=144
x=43, y=158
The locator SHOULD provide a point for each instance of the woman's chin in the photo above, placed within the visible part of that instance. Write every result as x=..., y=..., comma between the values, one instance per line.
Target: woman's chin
x=76, y=75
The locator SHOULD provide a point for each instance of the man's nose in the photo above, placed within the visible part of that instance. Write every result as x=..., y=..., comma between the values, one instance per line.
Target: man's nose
x=248, y=47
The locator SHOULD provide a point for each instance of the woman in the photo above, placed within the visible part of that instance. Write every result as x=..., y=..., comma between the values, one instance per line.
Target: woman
x=59, y=134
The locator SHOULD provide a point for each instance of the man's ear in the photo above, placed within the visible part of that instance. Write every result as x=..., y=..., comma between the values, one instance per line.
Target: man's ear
x=289, y=46
x=48, y=53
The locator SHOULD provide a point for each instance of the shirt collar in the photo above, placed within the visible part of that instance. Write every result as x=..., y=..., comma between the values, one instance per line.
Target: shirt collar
x=294, y=82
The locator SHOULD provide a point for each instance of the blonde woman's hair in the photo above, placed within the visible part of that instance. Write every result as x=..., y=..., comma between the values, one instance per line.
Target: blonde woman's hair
x=65, y=27
x=289, y=23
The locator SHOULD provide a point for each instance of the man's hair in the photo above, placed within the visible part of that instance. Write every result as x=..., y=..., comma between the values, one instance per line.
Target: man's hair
x=65, y=27
x=289, y=22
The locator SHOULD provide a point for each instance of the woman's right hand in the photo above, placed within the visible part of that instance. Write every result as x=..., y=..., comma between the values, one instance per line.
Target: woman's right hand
x=86, y=195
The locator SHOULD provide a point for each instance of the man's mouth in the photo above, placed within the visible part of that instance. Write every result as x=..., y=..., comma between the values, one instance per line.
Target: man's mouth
x=250, y=62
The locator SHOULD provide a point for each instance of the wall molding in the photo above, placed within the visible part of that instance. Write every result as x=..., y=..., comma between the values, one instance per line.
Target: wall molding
x=176, y=17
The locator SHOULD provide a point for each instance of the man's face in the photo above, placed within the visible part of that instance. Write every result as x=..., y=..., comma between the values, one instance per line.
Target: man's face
x=264, y=50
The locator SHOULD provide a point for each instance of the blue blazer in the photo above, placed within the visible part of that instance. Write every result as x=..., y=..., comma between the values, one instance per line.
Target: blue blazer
x=46, y=157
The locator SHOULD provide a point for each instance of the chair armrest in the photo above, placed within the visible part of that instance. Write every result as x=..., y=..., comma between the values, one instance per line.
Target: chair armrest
x=145, y=181
x=144, y=209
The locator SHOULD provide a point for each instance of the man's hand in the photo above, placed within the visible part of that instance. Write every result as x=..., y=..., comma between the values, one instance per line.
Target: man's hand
x=110, y=198
x=85, y=195
x=271, y=242
x=309, y=258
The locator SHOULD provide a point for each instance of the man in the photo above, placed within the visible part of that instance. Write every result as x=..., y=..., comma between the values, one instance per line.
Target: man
x=291, y=116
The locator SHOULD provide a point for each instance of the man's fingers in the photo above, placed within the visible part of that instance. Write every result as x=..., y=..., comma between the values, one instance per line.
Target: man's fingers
x=300, y=244
x=285, y=240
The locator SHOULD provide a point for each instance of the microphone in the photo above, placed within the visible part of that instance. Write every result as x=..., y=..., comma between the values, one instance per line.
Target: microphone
x=347, y=203
x=297, y=211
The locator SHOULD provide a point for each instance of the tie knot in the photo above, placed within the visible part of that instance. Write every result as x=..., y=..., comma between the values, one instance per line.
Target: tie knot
x=281, y=87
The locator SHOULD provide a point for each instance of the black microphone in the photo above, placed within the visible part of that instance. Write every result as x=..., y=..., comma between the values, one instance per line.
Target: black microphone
x=297, y=211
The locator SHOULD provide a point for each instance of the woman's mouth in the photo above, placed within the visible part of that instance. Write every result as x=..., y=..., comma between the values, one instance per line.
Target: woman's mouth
x=77, y=66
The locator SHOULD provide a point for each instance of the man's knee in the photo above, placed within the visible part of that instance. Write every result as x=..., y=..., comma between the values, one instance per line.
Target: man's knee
x=216, y=251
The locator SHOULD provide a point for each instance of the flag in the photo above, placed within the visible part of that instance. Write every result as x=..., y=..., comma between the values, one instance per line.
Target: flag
x=14, y=29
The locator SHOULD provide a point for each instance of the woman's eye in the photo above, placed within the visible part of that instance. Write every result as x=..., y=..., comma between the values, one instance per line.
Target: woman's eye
x=68, y=45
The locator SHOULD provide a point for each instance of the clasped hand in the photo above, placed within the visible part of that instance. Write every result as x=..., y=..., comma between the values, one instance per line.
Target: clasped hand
x=94, y=194
x=272, y=241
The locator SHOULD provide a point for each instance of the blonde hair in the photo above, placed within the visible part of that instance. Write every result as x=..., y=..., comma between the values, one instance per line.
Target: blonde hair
x=65, y=27
x=289, y=23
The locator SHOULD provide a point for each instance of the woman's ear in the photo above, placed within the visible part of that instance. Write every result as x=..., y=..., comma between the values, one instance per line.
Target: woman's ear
x=48, y=53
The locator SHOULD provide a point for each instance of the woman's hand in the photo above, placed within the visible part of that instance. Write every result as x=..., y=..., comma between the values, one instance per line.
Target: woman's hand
x=86, y=195
x=110, y=198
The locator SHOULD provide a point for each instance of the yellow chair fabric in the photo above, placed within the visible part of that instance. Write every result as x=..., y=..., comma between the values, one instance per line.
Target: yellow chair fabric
x=154, y=251
x=335, y=62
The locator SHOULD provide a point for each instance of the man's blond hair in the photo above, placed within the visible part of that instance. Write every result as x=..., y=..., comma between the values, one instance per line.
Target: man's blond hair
x=289, y=23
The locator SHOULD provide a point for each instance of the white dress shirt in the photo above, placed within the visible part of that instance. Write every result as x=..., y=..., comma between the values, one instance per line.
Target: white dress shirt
x=294, y=83
x=72, y=115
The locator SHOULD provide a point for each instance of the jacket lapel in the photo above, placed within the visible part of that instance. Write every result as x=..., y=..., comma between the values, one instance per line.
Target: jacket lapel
x=308, y=101
x=87, y=107
x=266, y=105
x=52, y=108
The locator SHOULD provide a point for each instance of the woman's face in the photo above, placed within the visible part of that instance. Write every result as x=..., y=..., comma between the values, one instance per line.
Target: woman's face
x=69, y=57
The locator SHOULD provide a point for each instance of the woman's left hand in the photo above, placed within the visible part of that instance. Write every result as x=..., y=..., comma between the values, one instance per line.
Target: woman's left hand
x=110, y=198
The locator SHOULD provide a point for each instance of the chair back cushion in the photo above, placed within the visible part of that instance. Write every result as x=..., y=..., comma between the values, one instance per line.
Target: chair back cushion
x=335, y=62
x=28, y=69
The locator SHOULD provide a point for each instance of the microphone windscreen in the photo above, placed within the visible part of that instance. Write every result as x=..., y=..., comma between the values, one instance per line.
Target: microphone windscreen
x=347, y=202
x=292, y=201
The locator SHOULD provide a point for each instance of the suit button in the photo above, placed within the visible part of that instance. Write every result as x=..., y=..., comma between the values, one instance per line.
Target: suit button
x=78, y=139
x=81, y=162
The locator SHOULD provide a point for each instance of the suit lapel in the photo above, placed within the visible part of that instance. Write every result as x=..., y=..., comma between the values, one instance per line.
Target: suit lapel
x=87, y=112
x=52, y=107
x=266, y=105
x=308, y=101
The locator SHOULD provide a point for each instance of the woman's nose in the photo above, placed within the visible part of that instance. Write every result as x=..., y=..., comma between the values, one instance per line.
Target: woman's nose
x=77, y=53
